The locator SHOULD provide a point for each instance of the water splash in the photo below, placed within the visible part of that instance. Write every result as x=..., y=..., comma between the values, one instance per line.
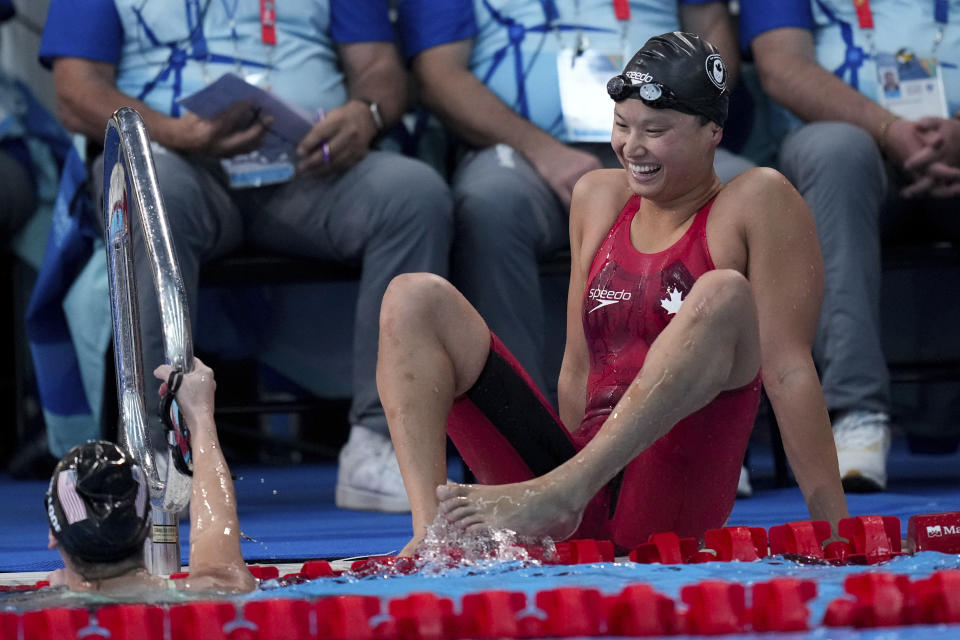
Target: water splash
x=445, y=546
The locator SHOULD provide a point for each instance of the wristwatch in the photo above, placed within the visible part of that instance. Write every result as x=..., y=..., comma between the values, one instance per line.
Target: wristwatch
x=374, y=113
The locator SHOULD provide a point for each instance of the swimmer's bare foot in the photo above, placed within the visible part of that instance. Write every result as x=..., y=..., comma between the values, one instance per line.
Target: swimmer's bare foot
x=410, y=549
x=534, y=508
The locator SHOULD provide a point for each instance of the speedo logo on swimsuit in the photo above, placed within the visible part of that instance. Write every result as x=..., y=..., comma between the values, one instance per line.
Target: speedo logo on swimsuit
x=603, y=297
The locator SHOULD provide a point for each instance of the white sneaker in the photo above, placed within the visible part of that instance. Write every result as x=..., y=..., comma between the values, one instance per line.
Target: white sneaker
x=368, y=478
x=744, y=488
x=863, y=442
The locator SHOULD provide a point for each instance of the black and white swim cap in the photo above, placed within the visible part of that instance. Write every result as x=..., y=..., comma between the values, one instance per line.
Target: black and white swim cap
x=97, y=503
x=677, y=70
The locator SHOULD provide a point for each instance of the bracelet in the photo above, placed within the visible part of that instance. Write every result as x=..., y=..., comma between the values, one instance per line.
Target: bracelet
x=884, y=129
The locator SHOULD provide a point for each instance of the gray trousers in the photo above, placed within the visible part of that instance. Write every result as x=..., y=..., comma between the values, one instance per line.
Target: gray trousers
x=839, y=170
x=507, y=220
x=388, y=214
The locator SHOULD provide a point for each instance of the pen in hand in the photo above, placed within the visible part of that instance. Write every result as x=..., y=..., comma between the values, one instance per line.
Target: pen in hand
x=326, y=145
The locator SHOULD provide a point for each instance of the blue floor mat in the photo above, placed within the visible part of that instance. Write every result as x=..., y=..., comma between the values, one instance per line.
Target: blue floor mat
x=289, y=512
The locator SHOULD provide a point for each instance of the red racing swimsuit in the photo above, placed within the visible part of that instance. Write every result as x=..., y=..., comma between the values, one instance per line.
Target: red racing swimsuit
x=686, y=481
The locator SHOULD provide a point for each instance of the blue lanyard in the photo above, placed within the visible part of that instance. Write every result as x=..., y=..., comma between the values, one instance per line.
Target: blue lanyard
x=194, y=20
x=941, y=11
x=231, y=16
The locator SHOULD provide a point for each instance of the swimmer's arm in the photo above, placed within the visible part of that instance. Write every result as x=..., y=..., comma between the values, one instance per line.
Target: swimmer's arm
x=785, y=270
x=572, y=384
x=597, y=198
x=216, y=562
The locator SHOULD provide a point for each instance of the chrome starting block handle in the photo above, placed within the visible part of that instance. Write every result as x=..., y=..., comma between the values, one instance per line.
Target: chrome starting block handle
x=130, y=184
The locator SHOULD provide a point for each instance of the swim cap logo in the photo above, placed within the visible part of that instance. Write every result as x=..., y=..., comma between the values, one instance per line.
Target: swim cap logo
x=638, y=77
x=52, y=517
x=716, y=71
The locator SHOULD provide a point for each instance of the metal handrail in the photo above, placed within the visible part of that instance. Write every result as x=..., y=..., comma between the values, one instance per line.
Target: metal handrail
x=130, y=181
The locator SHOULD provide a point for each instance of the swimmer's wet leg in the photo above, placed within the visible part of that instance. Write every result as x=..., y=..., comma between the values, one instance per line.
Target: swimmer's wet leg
x=433, y=346
x=712, y=345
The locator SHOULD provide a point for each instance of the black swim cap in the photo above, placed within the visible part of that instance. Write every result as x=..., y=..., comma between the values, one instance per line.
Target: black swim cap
x=97, y=503
x=680, y=71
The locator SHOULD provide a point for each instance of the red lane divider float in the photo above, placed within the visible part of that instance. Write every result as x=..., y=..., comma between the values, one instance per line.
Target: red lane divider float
x=492, y=614
x=803, y=538
x=935, y=532
x=781, y=604
x=347, y=617
x=714, y=607
x=130, y=622
x=738, y=543
x=639, y=610
x=666, y=548
x=423, y=616
x=205, y=620
x=710, y=607
x=880, y=600
x=874, y=599
x=9, y=623
x=571, y=611
x=584, y=552
x=937, y=598
x=48, y=624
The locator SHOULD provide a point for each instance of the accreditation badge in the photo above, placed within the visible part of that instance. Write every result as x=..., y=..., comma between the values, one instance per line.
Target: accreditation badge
x=909, y=86
x=587, y=108
x=272, y=163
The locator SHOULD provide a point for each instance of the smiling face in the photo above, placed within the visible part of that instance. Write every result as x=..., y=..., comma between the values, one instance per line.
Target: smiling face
x=666, y=153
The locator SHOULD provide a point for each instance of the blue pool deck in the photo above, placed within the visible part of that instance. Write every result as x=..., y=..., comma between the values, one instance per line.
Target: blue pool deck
x=290, y=515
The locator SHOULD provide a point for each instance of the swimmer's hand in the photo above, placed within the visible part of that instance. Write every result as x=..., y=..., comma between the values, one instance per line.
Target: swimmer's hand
x=196, y=393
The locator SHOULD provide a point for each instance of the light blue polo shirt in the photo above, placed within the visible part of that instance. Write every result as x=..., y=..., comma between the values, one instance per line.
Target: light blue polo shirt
x=515, y=43
x=842, y=46
x=165, y=49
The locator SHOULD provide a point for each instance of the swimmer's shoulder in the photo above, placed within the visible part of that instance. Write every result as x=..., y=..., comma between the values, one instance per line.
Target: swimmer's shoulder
x=756, y=209
x=756, y=189
x=599, y=196
x=603, y=184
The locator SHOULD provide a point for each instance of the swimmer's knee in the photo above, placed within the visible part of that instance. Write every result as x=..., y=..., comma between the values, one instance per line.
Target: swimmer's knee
x=721, y=296
x=417, y=284
x=724, y=288
x=412, y=296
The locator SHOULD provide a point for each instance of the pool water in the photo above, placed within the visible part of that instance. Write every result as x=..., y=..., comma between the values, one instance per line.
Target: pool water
x=609, y=578
x=529, y=578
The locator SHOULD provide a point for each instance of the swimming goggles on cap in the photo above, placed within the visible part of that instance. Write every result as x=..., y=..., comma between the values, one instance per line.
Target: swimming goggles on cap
x=178, y=436
x=652, y=94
